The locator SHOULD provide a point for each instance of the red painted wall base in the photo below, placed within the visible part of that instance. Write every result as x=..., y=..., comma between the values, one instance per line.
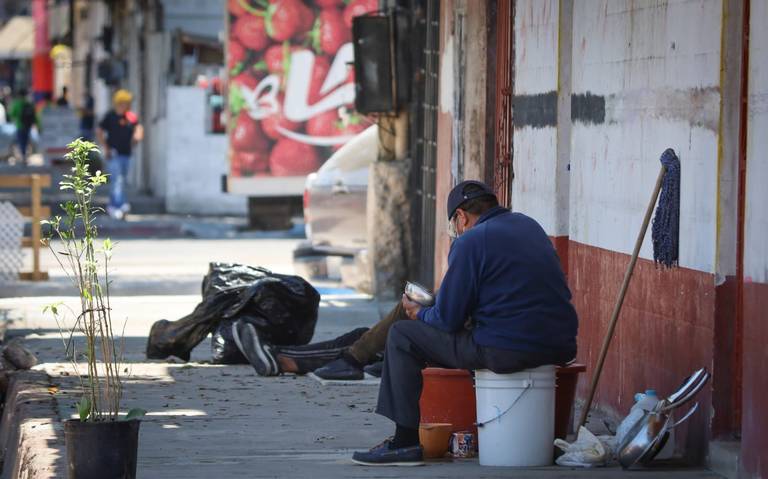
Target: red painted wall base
x=664, y=333
x=754, y=425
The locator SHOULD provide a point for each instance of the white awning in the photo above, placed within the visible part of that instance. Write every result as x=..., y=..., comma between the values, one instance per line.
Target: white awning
x=17, y=39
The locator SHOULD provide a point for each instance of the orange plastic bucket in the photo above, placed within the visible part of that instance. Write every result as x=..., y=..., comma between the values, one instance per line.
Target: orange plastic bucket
x=448, y=396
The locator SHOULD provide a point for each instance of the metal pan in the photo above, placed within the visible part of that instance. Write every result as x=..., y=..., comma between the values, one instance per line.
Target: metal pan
x=693, y=390
x=689, y=383
x=661, y=439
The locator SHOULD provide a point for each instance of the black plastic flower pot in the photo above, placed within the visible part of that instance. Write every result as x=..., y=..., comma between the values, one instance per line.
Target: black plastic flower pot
x=101, y=450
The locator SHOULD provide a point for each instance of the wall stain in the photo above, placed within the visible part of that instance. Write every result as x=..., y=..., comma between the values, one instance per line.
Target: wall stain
x=535, y=111
x=695, y=106
x=588, y=108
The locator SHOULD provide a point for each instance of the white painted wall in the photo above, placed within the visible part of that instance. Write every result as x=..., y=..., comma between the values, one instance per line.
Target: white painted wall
x=534, y=187
x=756, y=221
x=195, y=160
x=658, y=66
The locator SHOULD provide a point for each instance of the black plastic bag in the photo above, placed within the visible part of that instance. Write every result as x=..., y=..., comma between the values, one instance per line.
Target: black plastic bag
x=282, y=307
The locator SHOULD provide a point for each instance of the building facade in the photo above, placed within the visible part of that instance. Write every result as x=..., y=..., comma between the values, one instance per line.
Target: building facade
x=164, y=52
x=566, y=108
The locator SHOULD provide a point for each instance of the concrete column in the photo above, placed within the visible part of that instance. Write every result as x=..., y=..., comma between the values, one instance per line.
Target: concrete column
x=462, y=127
x=389, y=221
x=562, y=172
x=727, y=198
x=754, y=429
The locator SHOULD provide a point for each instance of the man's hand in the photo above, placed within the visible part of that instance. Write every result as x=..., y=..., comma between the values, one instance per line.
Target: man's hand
x=412, y=308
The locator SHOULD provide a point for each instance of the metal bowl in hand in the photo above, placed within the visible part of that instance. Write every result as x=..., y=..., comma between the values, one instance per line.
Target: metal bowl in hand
x=419, y=294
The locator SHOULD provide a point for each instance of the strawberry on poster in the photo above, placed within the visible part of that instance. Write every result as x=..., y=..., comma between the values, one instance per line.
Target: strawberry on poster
x=291, y=85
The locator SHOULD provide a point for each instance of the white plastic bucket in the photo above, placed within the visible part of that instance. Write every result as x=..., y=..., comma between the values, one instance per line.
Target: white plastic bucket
x=516, y=417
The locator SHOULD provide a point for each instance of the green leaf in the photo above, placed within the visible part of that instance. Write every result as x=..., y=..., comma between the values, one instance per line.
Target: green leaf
x=84, y=408
x=314, y=36
x=236, y=100
x=286, y=58
x=268, y=21
x=135, y=413
x=237, y=69
x=250, y=9
x=355, y=119
x=53, y=308
x=260, y=66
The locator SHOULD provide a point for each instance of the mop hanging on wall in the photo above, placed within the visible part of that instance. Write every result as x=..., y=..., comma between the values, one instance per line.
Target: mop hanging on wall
x=665, y=236
x=665, y=232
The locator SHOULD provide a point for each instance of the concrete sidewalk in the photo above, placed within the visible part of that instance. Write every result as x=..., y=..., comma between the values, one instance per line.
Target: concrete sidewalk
x=208, y=421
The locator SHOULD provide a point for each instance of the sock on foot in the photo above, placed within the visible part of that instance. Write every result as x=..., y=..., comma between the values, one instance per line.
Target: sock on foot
x=404, y=437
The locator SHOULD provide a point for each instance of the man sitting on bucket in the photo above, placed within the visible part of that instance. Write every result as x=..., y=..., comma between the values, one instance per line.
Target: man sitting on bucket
x=503, y=305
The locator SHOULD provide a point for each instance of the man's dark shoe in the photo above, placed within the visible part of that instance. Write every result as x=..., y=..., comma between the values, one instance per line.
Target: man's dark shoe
x=340, y=369
x=375, y=369
x=258, y=353
x=384, y=455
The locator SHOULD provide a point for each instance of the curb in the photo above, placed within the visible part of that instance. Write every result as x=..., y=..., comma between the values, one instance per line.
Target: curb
x=31, y=435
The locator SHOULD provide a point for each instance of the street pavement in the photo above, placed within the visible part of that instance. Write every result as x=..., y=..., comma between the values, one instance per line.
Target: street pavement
x=210, y=421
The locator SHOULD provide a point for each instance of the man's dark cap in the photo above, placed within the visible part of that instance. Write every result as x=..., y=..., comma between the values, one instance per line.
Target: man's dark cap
x=457, y=196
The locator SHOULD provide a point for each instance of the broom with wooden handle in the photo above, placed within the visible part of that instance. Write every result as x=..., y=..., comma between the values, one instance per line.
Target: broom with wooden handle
x=665, y=252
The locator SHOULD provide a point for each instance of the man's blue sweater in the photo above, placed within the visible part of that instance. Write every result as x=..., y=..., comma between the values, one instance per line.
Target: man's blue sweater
x=505, y=275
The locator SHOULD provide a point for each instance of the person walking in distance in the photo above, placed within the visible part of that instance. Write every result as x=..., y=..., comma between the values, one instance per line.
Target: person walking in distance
x=117, y=133
x=23, y=114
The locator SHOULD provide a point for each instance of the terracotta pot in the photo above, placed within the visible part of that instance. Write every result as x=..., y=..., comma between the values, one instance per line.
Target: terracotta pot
x=435, y=439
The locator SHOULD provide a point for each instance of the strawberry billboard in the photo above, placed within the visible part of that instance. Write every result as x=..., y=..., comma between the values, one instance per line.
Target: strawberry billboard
x=290, y=90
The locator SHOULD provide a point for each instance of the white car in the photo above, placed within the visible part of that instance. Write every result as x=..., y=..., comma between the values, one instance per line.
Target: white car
x=335, y=203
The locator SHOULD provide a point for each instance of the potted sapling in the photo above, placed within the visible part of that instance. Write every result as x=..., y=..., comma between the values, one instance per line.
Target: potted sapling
x=101, y=443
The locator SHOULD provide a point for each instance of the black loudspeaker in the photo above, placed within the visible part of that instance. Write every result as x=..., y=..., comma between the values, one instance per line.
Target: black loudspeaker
x=376, y=89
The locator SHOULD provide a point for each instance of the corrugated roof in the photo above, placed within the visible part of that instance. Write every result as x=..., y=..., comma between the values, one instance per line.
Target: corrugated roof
x=17, y=38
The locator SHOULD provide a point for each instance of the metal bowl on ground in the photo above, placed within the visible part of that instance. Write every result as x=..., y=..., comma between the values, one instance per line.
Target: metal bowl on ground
x=641, y=438
x=419, y=294
x=648, y=436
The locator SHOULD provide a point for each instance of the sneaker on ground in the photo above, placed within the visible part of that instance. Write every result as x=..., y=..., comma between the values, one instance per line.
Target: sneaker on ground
x=340, y=370
x=258, y=353
x=384, y=455
x=115, y=213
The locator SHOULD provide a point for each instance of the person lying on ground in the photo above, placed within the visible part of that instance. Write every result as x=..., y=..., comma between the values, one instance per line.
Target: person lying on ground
x=343, y=358
x=505, y=278
x=271, y=360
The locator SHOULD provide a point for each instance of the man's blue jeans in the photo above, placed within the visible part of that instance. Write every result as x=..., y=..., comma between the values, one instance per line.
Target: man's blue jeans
x=22, y=140
x=117, y=168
